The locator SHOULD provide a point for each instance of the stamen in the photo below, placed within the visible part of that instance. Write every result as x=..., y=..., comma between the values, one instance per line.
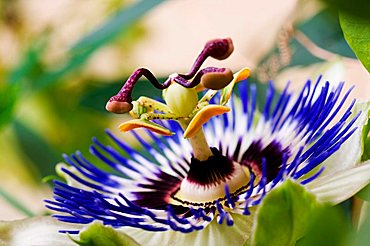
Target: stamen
x=215, y=78
x=219, y=49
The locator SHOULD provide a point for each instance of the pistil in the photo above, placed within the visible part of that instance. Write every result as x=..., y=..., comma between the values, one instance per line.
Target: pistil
x=198, y=142
x=180, y=93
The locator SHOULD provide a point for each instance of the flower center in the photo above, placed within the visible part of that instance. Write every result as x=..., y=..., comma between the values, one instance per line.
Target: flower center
x=273, y=154
x=210, y=173
x=180, y=93
x=206, y=181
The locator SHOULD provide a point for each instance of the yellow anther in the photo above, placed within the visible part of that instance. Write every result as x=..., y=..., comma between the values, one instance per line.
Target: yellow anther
x=202, y=117
x=132, y=124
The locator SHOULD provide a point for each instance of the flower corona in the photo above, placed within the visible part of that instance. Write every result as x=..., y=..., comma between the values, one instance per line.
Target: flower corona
x=218, y=155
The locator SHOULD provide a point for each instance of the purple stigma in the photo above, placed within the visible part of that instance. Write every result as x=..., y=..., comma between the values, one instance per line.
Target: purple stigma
x=121, y=102
x=219, y=49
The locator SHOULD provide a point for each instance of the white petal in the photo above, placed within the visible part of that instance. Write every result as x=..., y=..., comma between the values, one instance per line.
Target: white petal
x=350, y=152
x=341, y=185
x=40, y=231
x=213, y=234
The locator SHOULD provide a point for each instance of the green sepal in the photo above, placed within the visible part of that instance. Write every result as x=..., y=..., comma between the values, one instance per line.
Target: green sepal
x=366, y=140
x=284, y=215
x=362, y=235
x=363, y=124
x=364, y=194
x=97, y=234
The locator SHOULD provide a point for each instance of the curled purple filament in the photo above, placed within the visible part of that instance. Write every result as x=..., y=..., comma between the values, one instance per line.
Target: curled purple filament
x=218, y=48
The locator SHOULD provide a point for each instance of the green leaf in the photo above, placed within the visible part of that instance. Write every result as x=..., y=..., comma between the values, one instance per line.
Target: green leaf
x=328, y=226
x=97, y=234
x=357, y=33
x=284, y=215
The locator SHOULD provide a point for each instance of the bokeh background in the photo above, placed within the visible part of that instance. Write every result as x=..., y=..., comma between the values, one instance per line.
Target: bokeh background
x=61, y=60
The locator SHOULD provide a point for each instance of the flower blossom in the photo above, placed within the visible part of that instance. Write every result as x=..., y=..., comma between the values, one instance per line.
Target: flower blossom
x=219, y=158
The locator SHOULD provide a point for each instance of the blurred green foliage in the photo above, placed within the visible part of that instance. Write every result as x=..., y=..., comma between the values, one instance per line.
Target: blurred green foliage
x=362, y=237
x=97, y=92
x=71, y=124
x=36, y=149
x=15, y=203
x=31, y=79
x=323, y=29
x=8, y=95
